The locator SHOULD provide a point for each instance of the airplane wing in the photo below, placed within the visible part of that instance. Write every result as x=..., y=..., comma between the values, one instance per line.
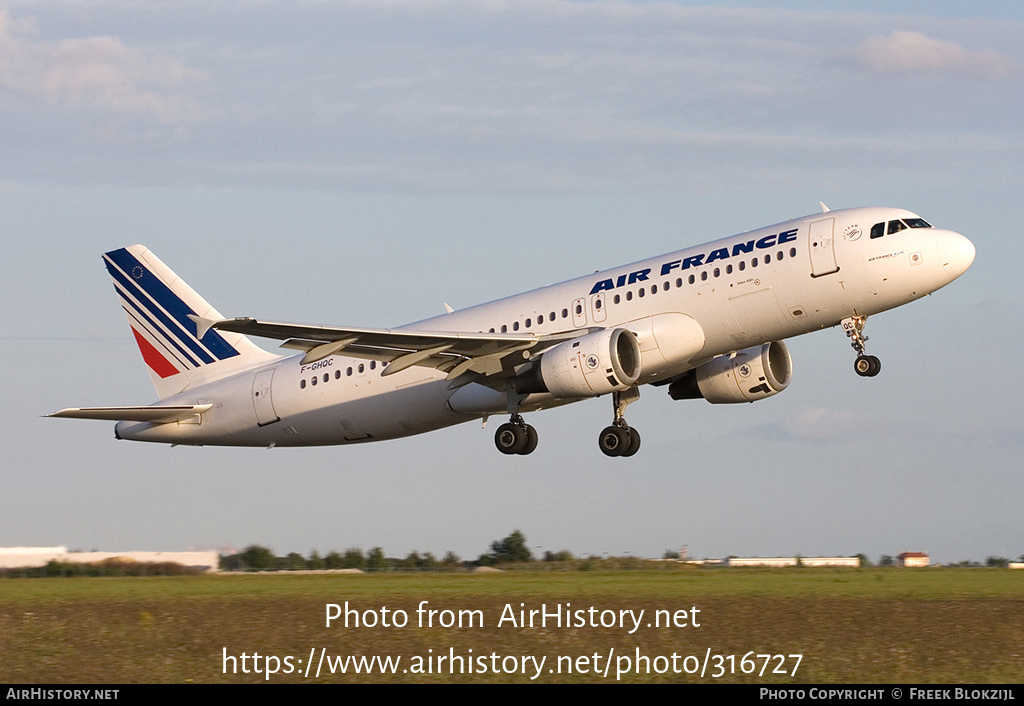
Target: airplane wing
x=465, y=356
x=155, y=413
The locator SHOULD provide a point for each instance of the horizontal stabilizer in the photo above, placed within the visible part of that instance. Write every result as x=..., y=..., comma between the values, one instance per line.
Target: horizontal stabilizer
x=157, y=414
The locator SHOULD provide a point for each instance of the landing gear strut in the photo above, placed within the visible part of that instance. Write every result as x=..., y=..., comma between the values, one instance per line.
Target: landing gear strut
x=515, y=437
x=620, y=439
x=865, y=365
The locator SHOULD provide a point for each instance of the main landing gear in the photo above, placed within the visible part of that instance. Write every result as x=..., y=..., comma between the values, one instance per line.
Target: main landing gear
x=516, y=437
x=866, y=366
x=620, y=439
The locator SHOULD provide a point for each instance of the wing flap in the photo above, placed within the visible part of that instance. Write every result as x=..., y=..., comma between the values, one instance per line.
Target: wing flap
x=157, y=414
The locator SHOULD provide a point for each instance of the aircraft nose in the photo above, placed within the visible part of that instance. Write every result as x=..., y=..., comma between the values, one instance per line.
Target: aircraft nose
x=955, y=252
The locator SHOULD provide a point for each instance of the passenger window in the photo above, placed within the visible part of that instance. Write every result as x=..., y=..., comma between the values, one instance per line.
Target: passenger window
x=361, y=368
x=504, y=328
x=743, y=265
x=515, y=325
x=641, y=291
x=327, y=377
x=617, y=299
x=302, y=384
x=529, y=323
x=373, y=365
x=629, y=296
x=704, y=276
x=565, y=313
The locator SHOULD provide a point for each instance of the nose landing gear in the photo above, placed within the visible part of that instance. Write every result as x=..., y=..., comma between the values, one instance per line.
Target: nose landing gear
x=866, y=366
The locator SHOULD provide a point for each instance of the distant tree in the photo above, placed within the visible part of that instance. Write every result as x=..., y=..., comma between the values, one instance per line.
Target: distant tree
x=563, y=555
x=511, y=549
x=375, y=560
x=886, y=560
x=315, y=561
x=354, y=559
x=294, y=562
x=670, y=554
x=231, y=562
x=334, y=561
x=411, y=562
x=997, y=561
x=257, y=558
x=451, y=560
x=864, y=561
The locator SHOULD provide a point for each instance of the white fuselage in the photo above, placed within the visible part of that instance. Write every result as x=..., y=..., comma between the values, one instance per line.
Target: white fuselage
x=685, y=308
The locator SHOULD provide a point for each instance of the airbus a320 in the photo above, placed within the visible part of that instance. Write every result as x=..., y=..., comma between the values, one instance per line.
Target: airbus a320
x=705, y=322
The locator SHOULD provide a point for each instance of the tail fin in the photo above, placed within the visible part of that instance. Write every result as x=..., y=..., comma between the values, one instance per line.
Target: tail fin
x=158, y=303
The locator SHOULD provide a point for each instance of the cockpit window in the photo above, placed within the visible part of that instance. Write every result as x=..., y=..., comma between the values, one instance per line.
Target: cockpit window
x=896, y=226
x=878, y=230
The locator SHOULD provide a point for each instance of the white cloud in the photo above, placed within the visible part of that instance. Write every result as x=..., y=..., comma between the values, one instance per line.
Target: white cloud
x=914, y=53
x=824, y=423
x=94, y=72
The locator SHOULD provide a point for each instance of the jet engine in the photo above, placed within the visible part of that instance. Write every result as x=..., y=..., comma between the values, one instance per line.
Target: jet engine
x=592, y=365
x=751, y=375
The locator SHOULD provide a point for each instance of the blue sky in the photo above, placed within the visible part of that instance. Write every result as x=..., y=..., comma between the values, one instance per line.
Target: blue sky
x=361, y=163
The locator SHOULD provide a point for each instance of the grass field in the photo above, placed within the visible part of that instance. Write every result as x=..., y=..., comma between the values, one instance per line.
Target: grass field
x=855, y=625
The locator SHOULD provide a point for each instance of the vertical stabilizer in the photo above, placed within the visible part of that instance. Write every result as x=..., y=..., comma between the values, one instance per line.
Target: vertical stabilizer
x=158, y=304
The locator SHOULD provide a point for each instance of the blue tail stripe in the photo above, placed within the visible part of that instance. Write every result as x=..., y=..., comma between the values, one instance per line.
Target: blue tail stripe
x=180, y=358
x=148, y=323
x=167, y=326
x=143, y=281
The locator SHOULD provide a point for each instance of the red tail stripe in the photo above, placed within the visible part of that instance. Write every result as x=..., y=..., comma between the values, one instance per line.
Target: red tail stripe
x=159, y=365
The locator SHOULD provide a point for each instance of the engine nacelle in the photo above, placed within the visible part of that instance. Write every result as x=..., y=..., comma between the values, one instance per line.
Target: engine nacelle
x=753, y=374
x=595, y=364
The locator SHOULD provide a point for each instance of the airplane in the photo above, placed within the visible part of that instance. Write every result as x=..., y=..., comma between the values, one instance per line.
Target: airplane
x=706, y=322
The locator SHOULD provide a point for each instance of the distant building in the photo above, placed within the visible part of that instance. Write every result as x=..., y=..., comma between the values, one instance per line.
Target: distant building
x=847, y=561
x=772, y=561
x=31, y=557
x=777, y=561
x=913, y=559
